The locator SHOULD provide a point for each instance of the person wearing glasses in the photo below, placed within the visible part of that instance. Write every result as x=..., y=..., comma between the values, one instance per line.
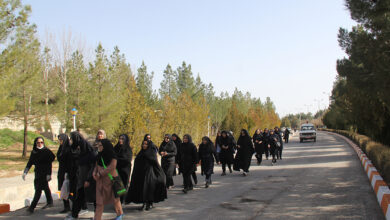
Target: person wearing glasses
x=41, y=157
x=168, y=153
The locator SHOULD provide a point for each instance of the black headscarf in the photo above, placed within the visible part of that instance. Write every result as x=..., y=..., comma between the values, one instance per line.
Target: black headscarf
x=188, y=137
x=107, y=154
x=64, y=147
x=79, y=143
x=178, y=141
x=163, y=143
x=209, y=146
x=244, y=140
x=122, y=150
x=146, y=137
x=35, y=146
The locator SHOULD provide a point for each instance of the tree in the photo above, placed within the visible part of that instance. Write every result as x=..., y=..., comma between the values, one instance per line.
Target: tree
x=144, y=82
x=13, y=16
x=185, y=80
x=25, y=71
x=168, y=84
x=138, y=118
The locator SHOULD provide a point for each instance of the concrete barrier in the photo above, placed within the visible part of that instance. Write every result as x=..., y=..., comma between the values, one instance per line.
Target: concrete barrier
x=379, y=186
x=14, y=191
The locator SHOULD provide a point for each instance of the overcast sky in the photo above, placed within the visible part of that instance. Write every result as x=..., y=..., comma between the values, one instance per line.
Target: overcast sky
x=284, y=49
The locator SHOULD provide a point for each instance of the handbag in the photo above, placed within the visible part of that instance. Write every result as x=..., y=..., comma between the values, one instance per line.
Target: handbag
x=117, y=184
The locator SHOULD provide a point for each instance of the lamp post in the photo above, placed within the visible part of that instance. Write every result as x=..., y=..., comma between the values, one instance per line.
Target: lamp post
x=74, y=113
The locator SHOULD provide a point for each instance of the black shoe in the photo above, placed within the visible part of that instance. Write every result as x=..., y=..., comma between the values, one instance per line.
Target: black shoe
x=207, y=185
x=148, y=207
x=49, y=205
x=66, y=210
x=223, y=174
x=191, y=188
x=30, y=211
x=196, y=182
x=142, y=208
x=185, y=190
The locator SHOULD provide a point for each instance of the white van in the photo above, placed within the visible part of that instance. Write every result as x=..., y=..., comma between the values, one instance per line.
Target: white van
x=307, y=132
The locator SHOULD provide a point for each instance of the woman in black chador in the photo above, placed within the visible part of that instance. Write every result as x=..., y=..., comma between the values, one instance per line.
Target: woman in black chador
x=188, y=159
x=266, y=142
x=207, y=153
x=41, y=157
x=168, y=153
x=124, y=155
x=227, y=151
x=273, y=143
x=82, y=185
x=176, y=139
x=244, y=152
x=64, y=158
x=147, y=184
x=259, y=142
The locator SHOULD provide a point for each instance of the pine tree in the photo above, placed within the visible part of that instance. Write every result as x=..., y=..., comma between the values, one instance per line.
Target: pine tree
x=169, y=84
x=144, y=82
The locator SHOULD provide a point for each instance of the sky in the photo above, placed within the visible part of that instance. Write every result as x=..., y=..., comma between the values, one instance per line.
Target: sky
x=282, y=49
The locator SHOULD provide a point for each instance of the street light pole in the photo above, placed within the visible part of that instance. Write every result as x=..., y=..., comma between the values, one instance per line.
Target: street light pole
x=74, y=113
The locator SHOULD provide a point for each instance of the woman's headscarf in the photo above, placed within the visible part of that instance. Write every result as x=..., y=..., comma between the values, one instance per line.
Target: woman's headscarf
x=146, y=137
x=107, y=154
x=188, y=137
x=65, y=146
x=126, y=144
x=35, y=146
x=79, y=141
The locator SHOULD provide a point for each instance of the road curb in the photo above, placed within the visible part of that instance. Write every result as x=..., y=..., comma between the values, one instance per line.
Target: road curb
x=379, y=186
x=4, y=208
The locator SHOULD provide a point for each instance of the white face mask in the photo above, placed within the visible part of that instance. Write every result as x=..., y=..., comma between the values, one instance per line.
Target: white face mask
x=40, y=147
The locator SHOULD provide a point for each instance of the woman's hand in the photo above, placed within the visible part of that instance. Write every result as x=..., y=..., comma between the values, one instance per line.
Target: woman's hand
x=86, y=184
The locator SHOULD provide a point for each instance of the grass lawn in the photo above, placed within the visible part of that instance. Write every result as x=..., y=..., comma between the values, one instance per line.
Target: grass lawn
x=11, y=147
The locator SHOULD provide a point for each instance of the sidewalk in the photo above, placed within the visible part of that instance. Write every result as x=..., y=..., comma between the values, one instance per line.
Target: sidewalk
x=15, y=191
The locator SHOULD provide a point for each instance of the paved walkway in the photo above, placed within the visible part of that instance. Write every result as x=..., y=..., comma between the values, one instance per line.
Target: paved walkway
x=322, y=180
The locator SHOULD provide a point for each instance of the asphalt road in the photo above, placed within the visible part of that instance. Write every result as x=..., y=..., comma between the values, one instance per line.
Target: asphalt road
x=322, y=180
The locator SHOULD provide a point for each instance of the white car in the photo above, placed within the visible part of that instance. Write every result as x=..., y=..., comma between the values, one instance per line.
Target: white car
x=307, y=132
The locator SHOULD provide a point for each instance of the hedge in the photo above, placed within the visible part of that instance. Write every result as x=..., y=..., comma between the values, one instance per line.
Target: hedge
x=378, y=153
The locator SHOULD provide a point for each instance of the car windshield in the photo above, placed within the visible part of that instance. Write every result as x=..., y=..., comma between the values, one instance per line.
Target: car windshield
x=305, y=128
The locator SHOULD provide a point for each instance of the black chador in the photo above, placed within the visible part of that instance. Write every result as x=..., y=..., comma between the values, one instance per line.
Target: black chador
x=124, y=155
x=260, y=145
x=227, y=150
x=147, y=184
x=188, y=159
x=207, y=153
x=64, y=157
x=244, y=152
x=41, y=157
x=168, y=153
x=82, y=182
x=273, y=142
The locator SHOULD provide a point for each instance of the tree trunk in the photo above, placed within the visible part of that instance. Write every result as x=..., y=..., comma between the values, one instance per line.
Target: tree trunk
x=25, y=123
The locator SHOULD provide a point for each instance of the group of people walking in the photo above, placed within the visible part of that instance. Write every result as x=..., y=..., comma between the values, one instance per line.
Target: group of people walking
x=95, y=173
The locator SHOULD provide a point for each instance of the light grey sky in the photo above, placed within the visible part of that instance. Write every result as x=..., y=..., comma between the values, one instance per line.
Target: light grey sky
x=284, y=49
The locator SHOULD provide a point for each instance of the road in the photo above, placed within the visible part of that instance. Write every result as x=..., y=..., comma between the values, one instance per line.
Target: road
x=322, y=180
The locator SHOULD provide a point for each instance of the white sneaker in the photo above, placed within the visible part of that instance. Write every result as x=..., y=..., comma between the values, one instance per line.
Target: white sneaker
x=83, y=211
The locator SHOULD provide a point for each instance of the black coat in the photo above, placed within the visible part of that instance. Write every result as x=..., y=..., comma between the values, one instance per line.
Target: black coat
x=260, y=143
x=124, y=156
x=279, y=133
x=188, y=158
x=148, y=179
x=85, y=159
x=226, y=155
x=64, y=157
x=273, y=139
x=206, y=155
x=42, y=160
x=245, y=152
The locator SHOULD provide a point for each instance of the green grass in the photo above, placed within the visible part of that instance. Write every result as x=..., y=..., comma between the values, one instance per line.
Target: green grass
x=9, y=138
